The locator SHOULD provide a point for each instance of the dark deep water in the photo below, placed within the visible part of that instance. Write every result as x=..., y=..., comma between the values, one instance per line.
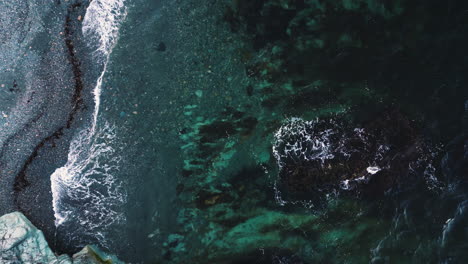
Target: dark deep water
x=218, y=131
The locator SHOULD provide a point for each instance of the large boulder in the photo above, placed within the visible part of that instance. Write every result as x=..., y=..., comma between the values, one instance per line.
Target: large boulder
x=22, y=242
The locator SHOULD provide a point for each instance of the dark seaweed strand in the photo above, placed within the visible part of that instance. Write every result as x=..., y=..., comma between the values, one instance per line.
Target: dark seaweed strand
x=20, y=180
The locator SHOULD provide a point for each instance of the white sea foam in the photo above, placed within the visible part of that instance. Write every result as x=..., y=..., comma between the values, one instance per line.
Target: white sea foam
x=102, y=23
x=86, y=181
x=101, y=26
x=373, y=169
x=298, y=140
x=85, y=190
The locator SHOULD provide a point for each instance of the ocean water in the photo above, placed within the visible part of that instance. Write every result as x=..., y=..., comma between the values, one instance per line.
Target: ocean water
x=88, y=177
x=265, y=131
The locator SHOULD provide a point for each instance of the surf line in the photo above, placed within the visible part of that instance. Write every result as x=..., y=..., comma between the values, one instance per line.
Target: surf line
x=101, y=24
x=21, y=181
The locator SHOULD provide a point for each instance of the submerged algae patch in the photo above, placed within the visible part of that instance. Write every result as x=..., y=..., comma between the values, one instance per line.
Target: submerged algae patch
x=343, y=60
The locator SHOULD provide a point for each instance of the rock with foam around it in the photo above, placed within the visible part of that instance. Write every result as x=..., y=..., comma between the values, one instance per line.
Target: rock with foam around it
x=21, y=242
x=322, y=156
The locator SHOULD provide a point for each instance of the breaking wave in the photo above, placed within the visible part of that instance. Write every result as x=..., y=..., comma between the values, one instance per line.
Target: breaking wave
x=101, y=26
x=85, y=187
x=85, y=191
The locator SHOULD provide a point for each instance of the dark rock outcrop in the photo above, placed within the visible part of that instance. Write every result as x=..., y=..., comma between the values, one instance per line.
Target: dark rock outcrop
x=322, y=155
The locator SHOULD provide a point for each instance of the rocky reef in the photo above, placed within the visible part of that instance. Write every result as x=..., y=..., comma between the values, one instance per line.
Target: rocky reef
x=22, y=242
x=332, y=149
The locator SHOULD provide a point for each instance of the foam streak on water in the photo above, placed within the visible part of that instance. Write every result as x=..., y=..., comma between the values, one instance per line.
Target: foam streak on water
x=84, y=190
x=101, y=25
x=85, y=187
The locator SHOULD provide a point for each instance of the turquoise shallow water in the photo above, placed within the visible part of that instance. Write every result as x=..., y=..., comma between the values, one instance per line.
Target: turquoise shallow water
x=263, y=131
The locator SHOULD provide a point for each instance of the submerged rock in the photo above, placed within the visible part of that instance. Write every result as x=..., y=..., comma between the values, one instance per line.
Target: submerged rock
x=323, y=155
x=22, y=242
x=92, y=255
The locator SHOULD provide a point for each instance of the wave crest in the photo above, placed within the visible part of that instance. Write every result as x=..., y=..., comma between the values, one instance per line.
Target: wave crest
x=102, y=22
x=85, y=191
